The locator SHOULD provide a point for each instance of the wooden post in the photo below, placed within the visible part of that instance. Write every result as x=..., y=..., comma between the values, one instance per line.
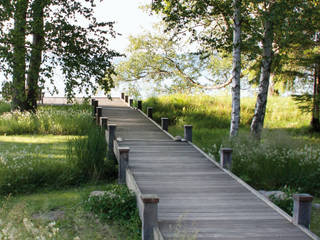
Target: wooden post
x=122, y=95
x=302, y=205
x=188, y=132
x=164, y=124
x=123, y=164
x=126, y=98
x=112, y=135
x=149, y=215
x=139, y=104
x=226, y=158
x=104, y=122
x=98, y=115
x=131, y=102
x=149, y=112
x=93, y=104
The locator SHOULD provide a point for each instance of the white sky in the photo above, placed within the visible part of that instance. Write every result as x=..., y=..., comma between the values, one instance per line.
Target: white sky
x=129, y=19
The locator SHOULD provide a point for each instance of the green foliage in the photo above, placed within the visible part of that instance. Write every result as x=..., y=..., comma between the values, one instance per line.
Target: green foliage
x=4, y=107
x=18, y=216
x=6, y=91
x=118, y=205
x=66, y=120
x=88, y=155
x=37, y=37
x=280, y=159
x=286, y=202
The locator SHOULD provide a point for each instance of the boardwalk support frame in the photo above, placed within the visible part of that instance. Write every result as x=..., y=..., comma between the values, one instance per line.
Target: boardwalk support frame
x=302, y=205
x=164, y=124
x=188, y=132
x=149, y=215
x=123, y=164
x=111, y=136
x=226, y=158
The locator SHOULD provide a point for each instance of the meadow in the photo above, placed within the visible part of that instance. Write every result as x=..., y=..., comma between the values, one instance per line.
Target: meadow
x=287, y=157
x=49, y=163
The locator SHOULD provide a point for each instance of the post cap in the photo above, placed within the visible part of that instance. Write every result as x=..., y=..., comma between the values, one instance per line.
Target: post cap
x=123, y=149
x=226, y=150
x=149, y=198
x=188, y=126
x=112, y=125
x=303, y=197
x=163, y=118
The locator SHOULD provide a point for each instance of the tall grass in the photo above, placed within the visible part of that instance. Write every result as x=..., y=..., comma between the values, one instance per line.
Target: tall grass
x=287, y=155
x=58, y=120
x=29, y=163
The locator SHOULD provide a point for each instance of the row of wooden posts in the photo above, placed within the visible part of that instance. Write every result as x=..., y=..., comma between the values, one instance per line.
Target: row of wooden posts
x=302, y=202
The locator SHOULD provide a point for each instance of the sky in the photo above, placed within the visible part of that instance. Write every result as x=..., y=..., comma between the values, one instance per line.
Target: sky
x=129, y=20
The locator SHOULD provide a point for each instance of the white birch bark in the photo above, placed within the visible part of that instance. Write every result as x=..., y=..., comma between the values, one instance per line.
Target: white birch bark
x=236, y=69
x=261, y=104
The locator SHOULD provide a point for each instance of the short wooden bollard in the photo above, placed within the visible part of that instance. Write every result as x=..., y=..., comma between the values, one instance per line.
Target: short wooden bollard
x=112, y=135
x=302, y=205
x=126, y=98
x=164, y=124
x=131, y=102
x=149, y=112
x=188, y=132
x=139, y=104
x=123, y=164
x=95, y=105
x=98, y=115
x=226, y=158
x=149, y=215
x=122, y=95
x=104, y=122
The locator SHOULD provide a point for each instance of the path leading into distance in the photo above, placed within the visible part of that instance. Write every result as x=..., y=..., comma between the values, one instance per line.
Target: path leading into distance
x=197, y=197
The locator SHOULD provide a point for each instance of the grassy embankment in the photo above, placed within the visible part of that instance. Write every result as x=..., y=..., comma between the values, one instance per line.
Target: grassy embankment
x=287, y=158
x=49, y=162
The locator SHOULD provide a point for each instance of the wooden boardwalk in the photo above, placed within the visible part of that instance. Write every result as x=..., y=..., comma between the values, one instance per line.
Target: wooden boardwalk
x=197, y=198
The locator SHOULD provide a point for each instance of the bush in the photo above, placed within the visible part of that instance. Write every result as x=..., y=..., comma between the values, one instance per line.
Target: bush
x=117, y=205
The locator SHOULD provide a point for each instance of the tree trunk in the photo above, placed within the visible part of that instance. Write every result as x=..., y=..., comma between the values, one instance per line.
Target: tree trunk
x=315, y=123
x=261, y=104
x=19, y=55
x=236, y=70
x=36, y=54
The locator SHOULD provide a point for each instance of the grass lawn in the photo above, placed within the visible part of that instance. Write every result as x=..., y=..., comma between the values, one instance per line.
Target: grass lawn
x=18, y=211
x=315, y=221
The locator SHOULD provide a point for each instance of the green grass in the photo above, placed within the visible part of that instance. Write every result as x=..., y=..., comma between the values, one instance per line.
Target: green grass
x=76, y=222
x=315, y=220
x=287, y=156
x=58, y=120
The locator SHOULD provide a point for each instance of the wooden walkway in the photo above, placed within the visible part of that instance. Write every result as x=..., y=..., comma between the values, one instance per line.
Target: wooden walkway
x=197, y=198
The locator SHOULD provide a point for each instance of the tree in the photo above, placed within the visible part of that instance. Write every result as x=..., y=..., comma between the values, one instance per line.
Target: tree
x=157, y=58
x=47, y=35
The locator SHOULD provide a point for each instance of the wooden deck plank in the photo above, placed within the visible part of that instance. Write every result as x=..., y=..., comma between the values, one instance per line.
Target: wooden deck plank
x=195, y=195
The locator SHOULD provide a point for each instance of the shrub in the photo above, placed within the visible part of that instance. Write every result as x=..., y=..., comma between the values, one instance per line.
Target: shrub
x=118, y=205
